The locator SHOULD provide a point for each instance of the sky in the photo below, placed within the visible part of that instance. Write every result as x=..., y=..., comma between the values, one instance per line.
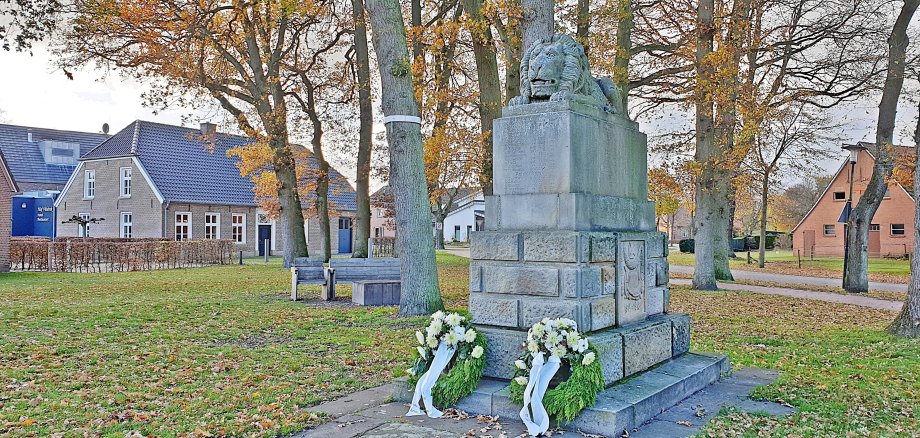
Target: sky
x=35, y=93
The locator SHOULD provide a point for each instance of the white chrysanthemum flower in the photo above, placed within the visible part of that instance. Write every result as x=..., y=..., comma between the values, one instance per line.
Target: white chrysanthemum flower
x=582, y=345
x=533, y=347
x=551, y=324
x=537, y=330
x=460, y=331
x=572, y=339
x=451, y=338
x=588, y=359
x=520, y=364
x=477, y=352
x=470, y=335
x=559, y=352
x=552, y=340
x=570, y=323
x=431, y=331
x=521, y=380
x=437, y=316
x=436, y=325
x=420, y=337
x=422, y=352
x=453, y=320
x=545, y=321
x=432, y=341
x=410, y=371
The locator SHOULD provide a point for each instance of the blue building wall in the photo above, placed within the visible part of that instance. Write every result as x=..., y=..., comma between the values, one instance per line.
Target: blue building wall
x=33, y=216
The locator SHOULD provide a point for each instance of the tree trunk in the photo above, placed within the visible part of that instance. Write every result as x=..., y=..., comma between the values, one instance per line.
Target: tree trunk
x=907, y=324
x=583, y=22
x=291, y=216
x=513, y=53
x=764, y=195
x=366, y=134
x=321, y=203
x=421, y=294
x=537, y=21
x=490, y=93
x=707, y=215
x=857, y=268
x=625, y=25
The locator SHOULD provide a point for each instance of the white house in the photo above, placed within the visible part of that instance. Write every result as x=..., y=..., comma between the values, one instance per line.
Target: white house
x=467, y=215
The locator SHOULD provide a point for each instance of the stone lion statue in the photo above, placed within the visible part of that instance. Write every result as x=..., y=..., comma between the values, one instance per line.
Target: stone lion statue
x=558, y=70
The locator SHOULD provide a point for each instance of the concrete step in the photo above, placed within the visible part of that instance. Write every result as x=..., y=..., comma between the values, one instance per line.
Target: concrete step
x=621, y=407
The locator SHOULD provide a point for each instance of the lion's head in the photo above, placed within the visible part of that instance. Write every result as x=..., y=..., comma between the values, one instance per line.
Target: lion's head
x=554, y=69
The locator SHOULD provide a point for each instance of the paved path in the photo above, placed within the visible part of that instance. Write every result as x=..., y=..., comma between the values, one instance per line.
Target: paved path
x=462, y=252
x=369, y=414
x=856, y=300
x=794, y=279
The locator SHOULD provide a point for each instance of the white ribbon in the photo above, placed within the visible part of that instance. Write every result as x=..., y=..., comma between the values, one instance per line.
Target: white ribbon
x=540, y=375
x=423, y=388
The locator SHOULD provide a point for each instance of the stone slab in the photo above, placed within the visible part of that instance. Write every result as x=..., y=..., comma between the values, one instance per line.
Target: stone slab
x=609, y=345
x=568, y=212
x=494, y=310
x=569, y=151
x=376, y=293
x=521, y=280
x=630, y=281
x=555, y=246
x=645, y=347
x=493, y=245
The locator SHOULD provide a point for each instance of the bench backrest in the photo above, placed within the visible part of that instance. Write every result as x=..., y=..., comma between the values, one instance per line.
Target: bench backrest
x=309, y=269
x=365, y=269
x=308, y=262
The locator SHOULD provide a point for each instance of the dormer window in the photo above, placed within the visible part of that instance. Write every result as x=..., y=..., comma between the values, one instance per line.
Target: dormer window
x=89, y=184
x=125, y=186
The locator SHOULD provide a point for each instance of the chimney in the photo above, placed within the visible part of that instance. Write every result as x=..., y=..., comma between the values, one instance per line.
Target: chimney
x=208, y=129
x=29, y=135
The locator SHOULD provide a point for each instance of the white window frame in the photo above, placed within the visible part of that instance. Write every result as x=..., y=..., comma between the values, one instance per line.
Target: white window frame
x=89, y=184
x=215, y=224
x=234, y=226
x=125, y=174
x=833, y=230
x=903, y=230
x=126, y=228
x=80, y=230
x=187, y=225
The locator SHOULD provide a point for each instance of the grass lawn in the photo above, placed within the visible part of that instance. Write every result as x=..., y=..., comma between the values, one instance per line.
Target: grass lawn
x=786, y=262
x=221, y=351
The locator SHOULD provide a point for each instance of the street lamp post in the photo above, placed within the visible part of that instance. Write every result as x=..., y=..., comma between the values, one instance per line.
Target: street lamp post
x=853, y=149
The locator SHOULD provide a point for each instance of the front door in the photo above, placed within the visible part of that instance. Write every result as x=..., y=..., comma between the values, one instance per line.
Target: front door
x=344, y=235
x=875, y=241
x=809, y=244
x=265, y=233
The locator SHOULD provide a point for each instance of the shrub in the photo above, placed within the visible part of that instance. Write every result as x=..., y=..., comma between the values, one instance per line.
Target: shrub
x=686, y=245
x=117, y=255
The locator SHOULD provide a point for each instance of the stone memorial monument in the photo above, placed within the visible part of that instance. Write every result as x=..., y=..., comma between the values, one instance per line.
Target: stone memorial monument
x=570, y=233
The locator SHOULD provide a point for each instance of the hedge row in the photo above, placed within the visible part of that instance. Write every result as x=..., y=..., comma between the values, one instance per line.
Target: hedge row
x=117, y=255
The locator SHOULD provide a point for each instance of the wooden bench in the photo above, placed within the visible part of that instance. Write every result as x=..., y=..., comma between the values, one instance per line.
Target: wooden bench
x=367, y=271
x=307, y=270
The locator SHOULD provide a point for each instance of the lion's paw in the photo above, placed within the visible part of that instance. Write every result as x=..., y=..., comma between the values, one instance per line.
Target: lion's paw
x=560, y=96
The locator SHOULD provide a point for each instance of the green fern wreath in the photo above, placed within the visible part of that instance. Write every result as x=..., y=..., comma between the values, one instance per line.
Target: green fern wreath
x=464, y=370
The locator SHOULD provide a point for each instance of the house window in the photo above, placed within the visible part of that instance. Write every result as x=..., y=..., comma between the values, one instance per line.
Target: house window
x=376, y=231
x=840, y=196
x=238, y=231
x=212, y=226
x=897, y=229
x=84, y=229
x=89, y=184
x=183, y=226
x=874, y=227
x=125, y=182
x=126, y=229
x=829, y=230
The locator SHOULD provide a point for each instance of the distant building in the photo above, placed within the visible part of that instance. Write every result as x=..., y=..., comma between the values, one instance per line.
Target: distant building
x=891, y=232
x=467, y=215
x=161, y=181
x=677, y=226
x=383, y=211
x=7, y=188
x=41, y=161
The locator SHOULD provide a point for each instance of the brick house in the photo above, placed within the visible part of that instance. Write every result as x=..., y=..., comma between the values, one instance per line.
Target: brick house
x=383, y=211
x=7, y=188
x=892, y=229
x=153, y=180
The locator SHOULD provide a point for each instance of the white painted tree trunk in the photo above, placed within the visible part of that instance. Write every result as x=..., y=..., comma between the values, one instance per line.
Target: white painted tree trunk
x=421, y=294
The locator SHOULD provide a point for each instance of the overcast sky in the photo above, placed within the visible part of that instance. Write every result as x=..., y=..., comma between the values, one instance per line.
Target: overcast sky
x=34, y=93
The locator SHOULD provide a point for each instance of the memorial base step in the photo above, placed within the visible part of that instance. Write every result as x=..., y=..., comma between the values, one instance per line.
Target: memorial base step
x=621, y=407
